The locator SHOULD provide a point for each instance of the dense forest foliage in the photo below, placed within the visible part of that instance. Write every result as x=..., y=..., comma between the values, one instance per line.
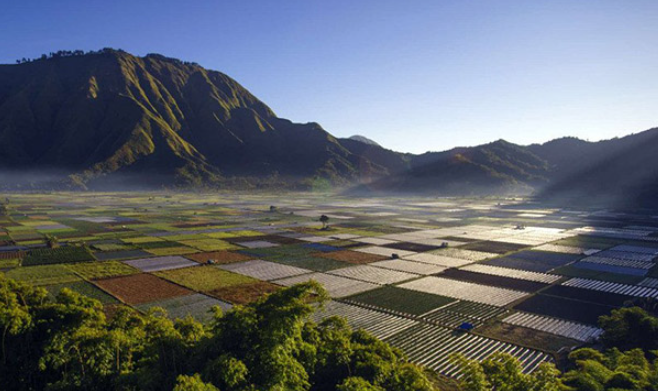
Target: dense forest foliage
x=68, y=343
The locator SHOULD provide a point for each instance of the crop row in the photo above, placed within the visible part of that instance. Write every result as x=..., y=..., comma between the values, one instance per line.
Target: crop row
x=612, y=287
x=409, y=266
x=619, y=262
x=427, y=344
x=564, y=328
x=379, y=324
x=512, y=273
x=372, y=274
x=336, y=286
x=264, y=270
x=465, y=290
x=432, y=346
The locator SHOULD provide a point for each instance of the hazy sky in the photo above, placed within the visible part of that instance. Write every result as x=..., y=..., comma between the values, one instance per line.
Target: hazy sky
x=413, y=75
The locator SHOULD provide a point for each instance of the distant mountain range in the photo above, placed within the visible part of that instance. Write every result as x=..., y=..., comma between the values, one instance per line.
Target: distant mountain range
x=109, y=120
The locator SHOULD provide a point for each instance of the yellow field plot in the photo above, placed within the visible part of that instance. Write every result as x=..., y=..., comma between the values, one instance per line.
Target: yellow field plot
x=38, y=220
x=172, y=251
x=27, y=242
x=210, y=244
x=233, y=234
x=79, y=239
x=142, y=239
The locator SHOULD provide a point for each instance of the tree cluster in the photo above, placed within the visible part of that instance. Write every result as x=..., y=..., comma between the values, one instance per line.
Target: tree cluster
x=65, y=53
x=68, y=343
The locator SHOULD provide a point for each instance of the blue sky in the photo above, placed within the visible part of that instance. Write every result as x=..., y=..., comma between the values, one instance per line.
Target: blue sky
x=412, y=75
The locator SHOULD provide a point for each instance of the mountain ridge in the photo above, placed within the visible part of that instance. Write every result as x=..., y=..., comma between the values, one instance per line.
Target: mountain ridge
x=108, y=118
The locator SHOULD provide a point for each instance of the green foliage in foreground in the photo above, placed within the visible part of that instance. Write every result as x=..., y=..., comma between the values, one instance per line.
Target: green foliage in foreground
x=502, y=371
x=630, y=328
x=594, y=371
x=67, y=343
x=612, y=370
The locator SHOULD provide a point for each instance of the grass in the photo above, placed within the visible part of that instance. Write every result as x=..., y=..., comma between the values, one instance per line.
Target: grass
x=94, y=270
x=403, y=300
x=234, y=234
x=244, y=293
x=571, y=271
x=204, y=278
x=44, y=256
x=142, y=239
x=172, y=251
x=210, y=245
x=7, y=263
x=43, y=275
x=590, y=242
x=111, y=247
x=83, y=288
x=525, y=337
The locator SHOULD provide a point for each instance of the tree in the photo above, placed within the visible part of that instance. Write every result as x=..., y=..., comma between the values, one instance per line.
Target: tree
x=502, y=371
x=193, y=383
x=324, y=219
x=612, y=370
x=67, y=343
x=52, y=241
x=357, y=384
x=629, y=328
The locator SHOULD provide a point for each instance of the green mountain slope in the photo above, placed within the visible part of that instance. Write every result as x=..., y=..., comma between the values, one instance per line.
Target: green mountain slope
x=99, y=115
x=109, y=120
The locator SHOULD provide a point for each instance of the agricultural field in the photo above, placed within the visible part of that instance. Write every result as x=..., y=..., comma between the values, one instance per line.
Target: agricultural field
x=431, y=277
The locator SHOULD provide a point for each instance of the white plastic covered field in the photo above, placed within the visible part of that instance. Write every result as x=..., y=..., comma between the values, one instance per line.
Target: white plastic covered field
x=438, y=260
x=563, y=328
x=409, y=266
x=264, y=270
x=336, y=286
x=512, y=273
x=613, y=287
x=379, y=324
x=372, y=274
x=465, y=290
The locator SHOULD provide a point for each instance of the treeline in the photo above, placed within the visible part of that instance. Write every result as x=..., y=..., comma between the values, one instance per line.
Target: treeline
x=67, y=53
x=68, y=343
x=77, y=53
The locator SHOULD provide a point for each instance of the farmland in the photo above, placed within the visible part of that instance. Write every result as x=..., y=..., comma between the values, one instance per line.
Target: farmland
x=462, y=275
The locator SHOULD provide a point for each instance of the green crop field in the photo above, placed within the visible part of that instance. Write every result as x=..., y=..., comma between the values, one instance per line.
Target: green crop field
x=204, y=278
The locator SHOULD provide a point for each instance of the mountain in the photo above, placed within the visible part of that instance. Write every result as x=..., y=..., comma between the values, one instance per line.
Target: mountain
x=617, y=172
x=621, y=172
x=107, y=119
x=496, y=168
x=108, y=116
x=364, y=140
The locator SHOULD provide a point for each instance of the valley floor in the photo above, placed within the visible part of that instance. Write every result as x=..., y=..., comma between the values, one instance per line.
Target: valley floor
x=430, y=276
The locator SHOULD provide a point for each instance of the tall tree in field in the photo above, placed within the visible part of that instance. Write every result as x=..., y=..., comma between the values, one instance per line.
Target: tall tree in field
x=324, y=219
